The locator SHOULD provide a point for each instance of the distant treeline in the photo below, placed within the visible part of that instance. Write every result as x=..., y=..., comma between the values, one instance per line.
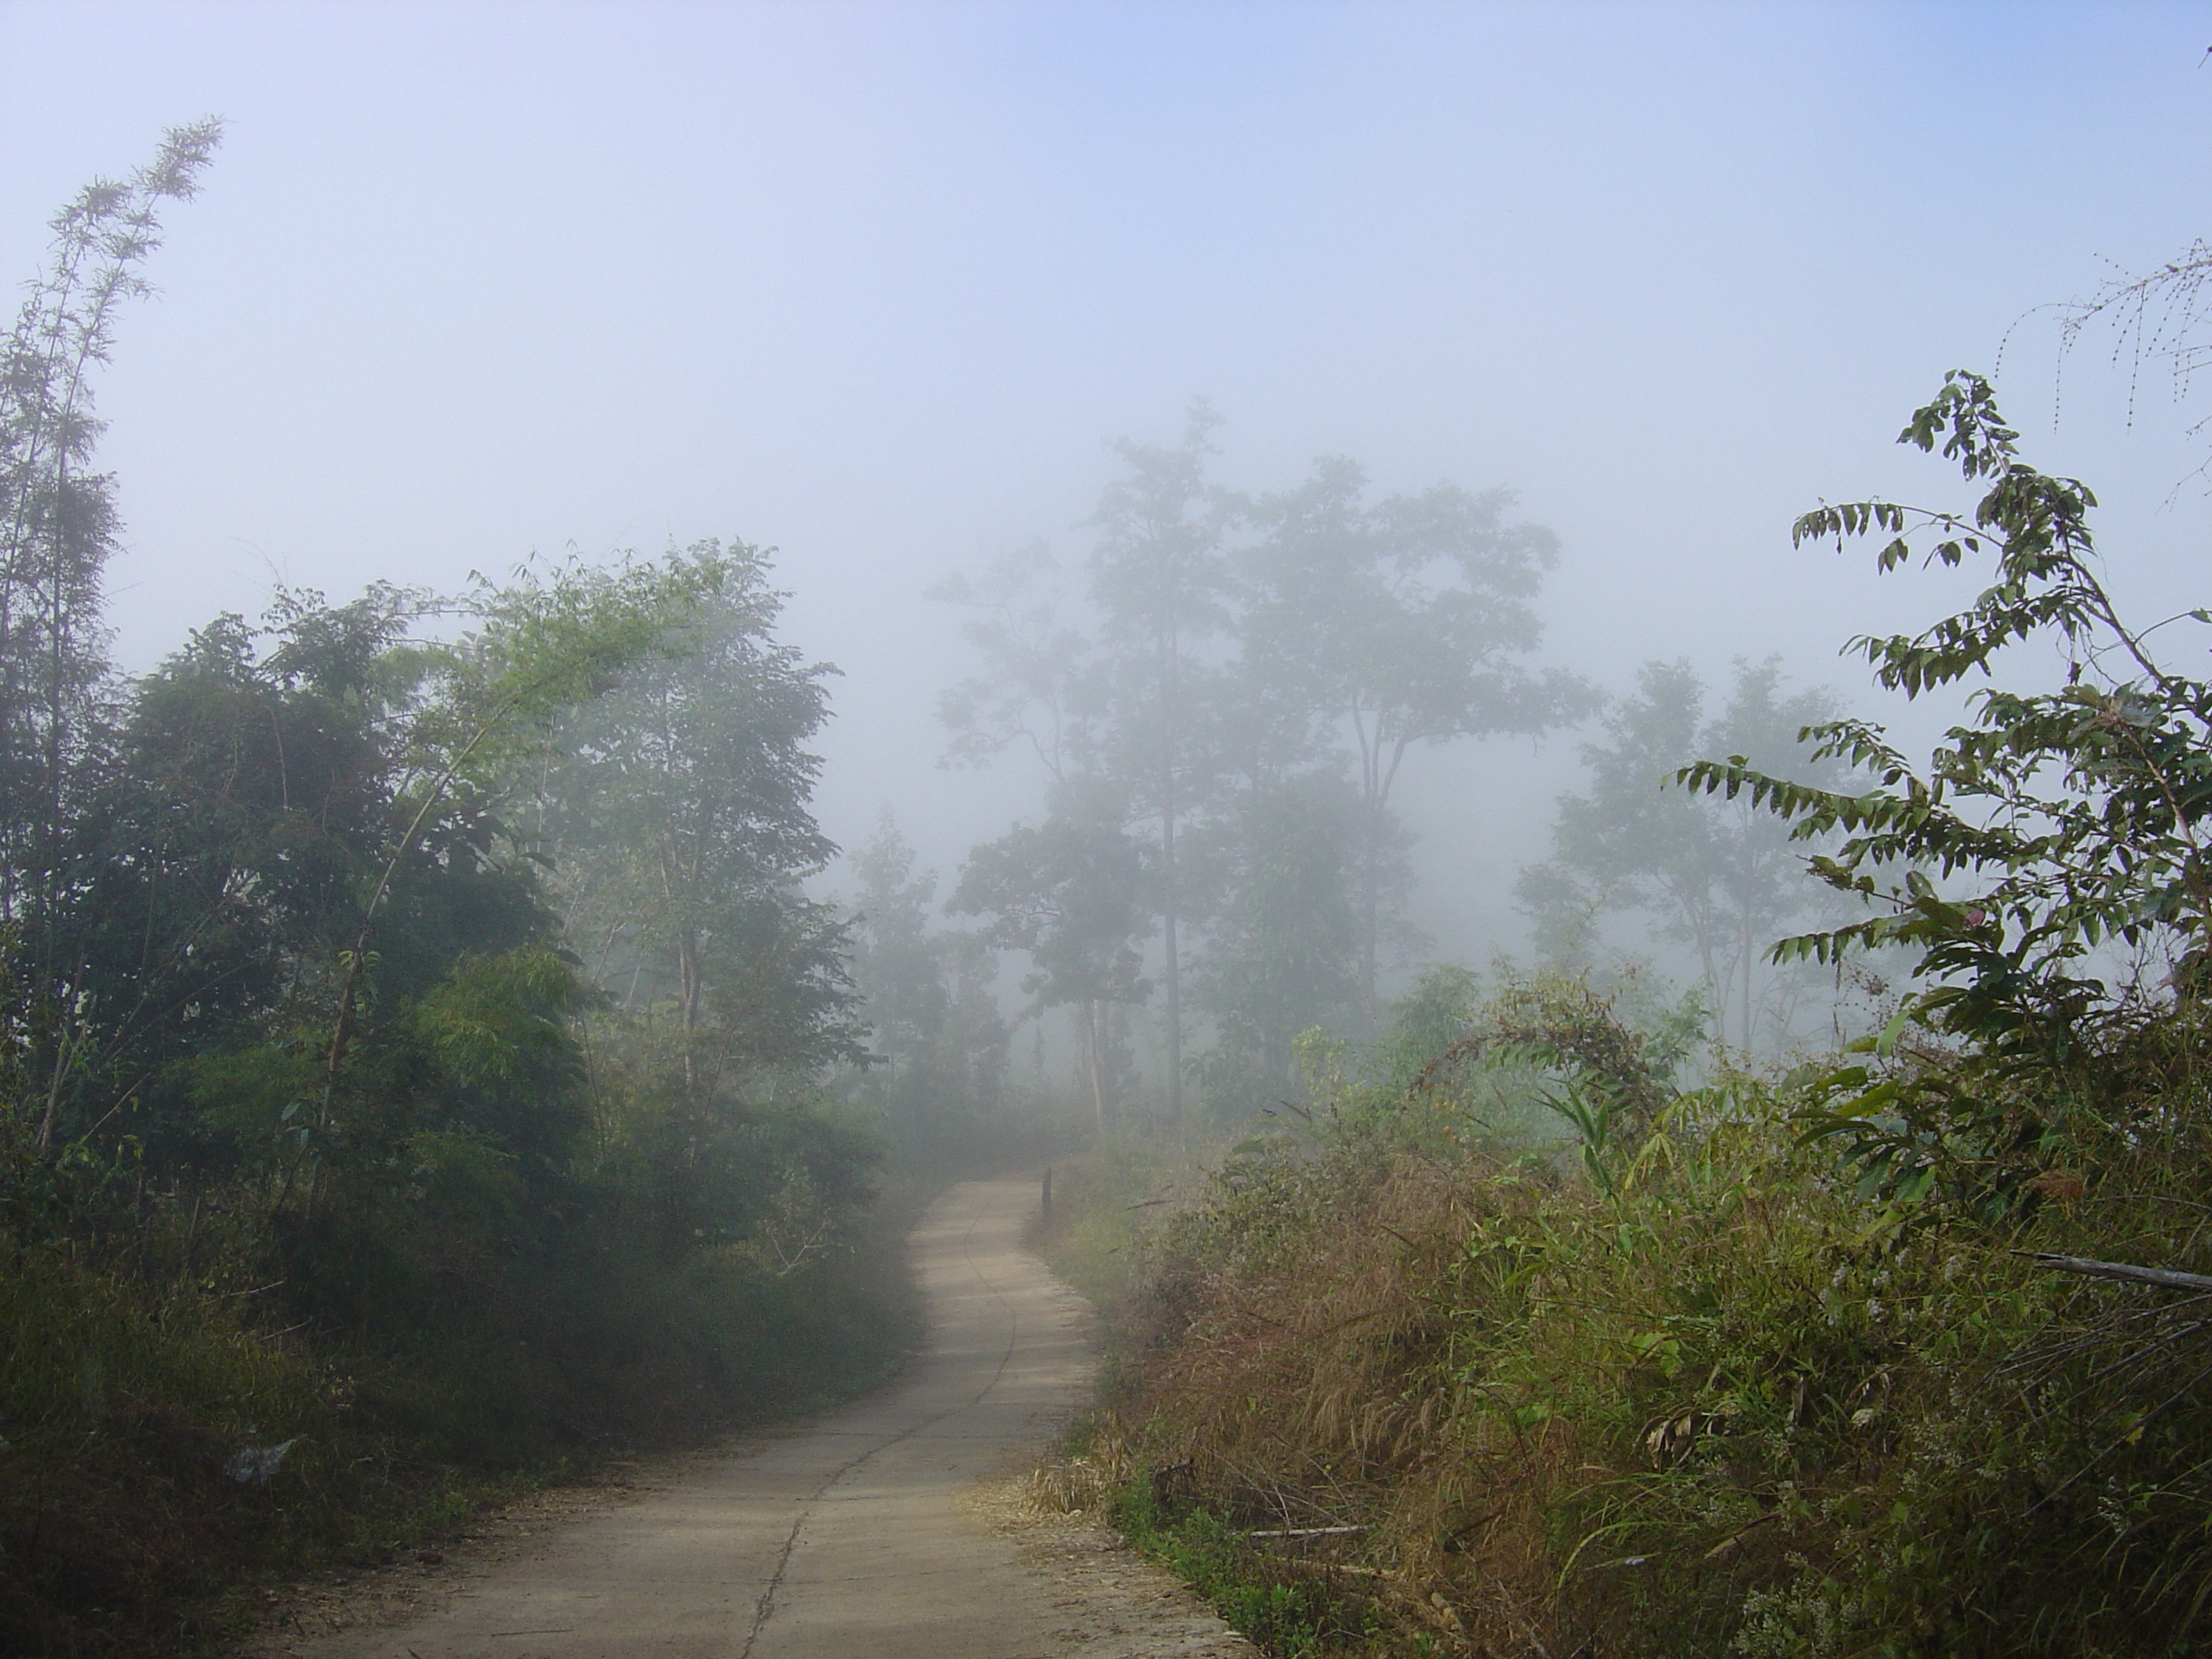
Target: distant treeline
x=1220, y=702
x=1221, y=710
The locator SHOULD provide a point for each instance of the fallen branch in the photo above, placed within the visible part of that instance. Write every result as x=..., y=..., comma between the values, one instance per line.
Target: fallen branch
x=1306, y=1532
x=2165, y=1278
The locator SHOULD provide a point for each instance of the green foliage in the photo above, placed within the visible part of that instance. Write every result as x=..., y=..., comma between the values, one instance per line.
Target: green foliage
x=493, y=1229
x=331, y=1179
x=120, y=1401
x=58, y=520
x=1705, y=1400
x=318, y=1079
x=1435, y=1012
x=678, y=809
x=1073, y=893
x=1288, y=1620
x=2069, y=818
x=2080, y=804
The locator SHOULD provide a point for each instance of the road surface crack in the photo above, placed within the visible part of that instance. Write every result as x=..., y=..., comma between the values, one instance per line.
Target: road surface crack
x=766, y=1604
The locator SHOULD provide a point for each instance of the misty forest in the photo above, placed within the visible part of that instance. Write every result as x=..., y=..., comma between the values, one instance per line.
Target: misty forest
x=448, y=1052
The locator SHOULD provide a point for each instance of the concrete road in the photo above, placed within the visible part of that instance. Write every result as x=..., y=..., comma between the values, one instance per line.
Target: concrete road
x=860, y=1535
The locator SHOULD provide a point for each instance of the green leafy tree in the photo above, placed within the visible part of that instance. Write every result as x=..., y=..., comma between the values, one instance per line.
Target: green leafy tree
x=217, y=873
x=58, y=528
x=680, y=812
x=546, y=643
x=1390, y=625
x=291, y=1037
x=1716, y=876
x=304, y=826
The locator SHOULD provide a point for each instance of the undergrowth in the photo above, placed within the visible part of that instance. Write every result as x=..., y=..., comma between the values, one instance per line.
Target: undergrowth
x=174, y=1438
x=1400, y=1388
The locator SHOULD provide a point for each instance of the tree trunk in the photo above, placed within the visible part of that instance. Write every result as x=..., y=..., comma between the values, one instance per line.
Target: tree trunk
x=1371, y=906
x=687, y=961
x=1087, y=1027
x=1744, y=993
x=1175, y=996
x=1170, y=691
x=1374, y=800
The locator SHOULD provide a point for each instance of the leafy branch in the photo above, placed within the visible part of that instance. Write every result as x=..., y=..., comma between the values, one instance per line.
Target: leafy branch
x=2072, y=817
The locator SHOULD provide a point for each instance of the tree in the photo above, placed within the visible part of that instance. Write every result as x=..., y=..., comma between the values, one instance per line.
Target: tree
x=217, y=874
x=544, y=647
x=1715, y=876
x=935, y=1029
x=1035, y=667
x=1160, y=577
x=57, y=518
x=290, y=1040
x=1073, y=892
x=681, y=815
x=1282, y=950
x=1388, y=625
x=300, y=936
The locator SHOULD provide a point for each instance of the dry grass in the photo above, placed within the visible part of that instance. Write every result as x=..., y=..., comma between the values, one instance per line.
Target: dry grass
x=1480, y=1407
x=1302, y=1390
x=1084, y=1483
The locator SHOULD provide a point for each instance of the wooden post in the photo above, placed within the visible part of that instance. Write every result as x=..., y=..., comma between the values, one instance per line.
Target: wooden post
x=1048, y=1192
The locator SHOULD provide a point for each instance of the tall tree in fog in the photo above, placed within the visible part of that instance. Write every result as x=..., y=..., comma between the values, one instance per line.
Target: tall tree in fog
x=1282, y=945
x=1718, y=875
x=301, y=830
x=1031, y=694
x=1394, y=623
x=1160, y=575
x=1074, y=892
x=683, y=823
x=57, y=518
x=934, y=1028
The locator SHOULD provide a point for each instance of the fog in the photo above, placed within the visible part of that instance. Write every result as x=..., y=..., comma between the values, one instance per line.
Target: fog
x=873, y=284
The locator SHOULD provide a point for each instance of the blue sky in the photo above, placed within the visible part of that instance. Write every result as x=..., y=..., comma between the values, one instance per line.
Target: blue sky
x=872, y=283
